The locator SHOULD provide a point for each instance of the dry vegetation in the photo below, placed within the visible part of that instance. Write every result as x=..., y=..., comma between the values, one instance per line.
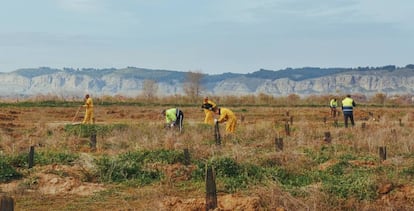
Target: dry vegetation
x=308, y=174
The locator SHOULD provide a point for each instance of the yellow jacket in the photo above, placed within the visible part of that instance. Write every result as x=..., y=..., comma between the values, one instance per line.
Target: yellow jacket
x=226, y=115
x=88, y=103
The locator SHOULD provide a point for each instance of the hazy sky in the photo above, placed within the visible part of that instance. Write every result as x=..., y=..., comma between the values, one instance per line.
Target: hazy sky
x=210, y=36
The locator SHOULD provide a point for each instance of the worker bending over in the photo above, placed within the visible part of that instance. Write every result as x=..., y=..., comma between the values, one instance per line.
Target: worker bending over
x=226, y=115
x=174, y=118
x=333, y=104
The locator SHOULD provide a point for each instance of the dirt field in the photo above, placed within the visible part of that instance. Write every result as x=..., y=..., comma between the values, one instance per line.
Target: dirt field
x=65, y=187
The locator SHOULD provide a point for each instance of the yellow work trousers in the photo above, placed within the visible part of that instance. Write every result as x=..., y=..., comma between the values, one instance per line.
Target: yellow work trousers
x=209, y=119
x=231, y=125
x=88, y=119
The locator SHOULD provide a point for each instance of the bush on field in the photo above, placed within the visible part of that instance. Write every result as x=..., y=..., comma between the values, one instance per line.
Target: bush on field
x=133, y=165
x=7, y=172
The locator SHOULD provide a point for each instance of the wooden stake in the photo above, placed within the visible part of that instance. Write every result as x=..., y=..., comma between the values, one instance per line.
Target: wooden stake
x=31, y=157
x=279, y=144
x=186, y=157
x=287, y=129
x=383, y=153
x=211, y=191
x=92, y=142
x=6, y=203
x=328, y=137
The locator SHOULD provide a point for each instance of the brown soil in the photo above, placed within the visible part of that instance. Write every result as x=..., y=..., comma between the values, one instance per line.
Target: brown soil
x=21, y=127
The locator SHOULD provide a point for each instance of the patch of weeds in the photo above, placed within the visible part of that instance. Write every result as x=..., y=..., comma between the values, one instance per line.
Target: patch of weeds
x=357, y=184
x=50, y=157
x=131, y=167
x=342, y=180
x=232, y=175
x=161, y=156
x=7, y=172
x=42, y=158
x=408, y=171
x=290, y=179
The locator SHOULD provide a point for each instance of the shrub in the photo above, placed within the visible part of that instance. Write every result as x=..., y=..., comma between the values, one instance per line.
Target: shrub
x=122, y=169
x=357, y=184
x=7, y=172
x=131, y=165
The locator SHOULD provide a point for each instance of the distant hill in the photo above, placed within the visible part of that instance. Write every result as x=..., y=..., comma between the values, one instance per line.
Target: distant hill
x=128, y=81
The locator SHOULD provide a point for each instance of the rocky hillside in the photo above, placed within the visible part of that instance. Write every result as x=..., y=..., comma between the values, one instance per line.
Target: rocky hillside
x=129, y=81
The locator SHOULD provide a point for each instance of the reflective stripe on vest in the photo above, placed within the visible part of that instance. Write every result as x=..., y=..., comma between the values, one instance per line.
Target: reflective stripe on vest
x=347, y=105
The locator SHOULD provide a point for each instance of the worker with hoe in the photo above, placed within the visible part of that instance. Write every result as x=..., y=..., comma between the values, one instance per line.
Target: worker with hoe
x=333, y=104
x=208, y=106
x=89, y=117
x=174, y=118
x=347, y=108
x=226, y=115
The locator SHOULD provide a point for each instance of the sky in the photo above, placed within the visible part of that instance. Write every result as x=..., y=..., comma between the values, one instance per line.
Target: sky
x=208, y=36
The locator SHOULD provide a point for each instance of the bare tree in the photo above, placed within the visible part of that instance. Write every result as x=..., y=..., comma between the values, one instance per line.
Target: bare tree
x=192, y=86
x=149, y=89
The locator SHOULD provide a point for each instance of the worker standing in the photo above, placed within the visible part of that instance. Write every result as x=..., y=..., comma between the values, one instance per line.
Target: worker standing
x=226, y=115
x=347, y=108
x=89, y=117
x=174, y=118
x=333, y=104
x=208, y=107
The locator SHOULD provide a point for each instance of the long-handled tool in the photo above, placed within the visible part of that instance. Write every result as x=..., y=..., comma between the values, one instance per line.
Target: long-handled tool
x=76, y=115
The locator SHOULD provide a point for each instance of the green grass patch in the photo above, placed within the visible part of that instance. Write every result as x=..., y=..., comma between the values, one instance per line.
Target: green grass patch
x=42, y=158
x=232, y=175
x=7, y=171
x=132, y=167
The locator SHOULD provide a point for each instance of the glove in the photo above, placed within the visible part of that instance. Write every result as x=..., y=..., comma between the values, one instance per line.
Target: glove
x=215, y=121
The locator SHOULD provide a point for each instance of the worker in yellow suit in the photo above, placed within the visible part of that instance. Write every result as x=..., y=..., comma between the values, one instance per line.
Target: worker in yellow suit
x=208, y=107
x=89, y=118
x=226, y=115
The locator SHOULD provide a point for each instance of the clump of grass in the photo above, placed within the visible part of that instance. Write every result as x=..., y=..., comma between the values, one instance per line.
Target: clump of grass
x=232, y=175
x=133, y=166
x=42, y=158
x=7, y=172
